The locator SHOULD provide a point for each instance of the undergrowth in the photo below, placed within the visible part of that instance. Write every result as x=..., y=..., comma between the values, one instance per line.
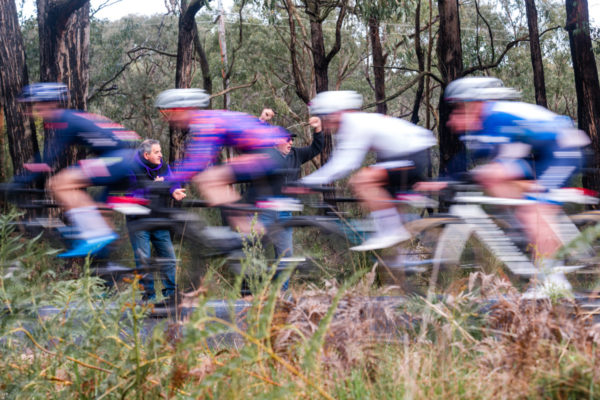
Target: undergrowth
x=73, y=339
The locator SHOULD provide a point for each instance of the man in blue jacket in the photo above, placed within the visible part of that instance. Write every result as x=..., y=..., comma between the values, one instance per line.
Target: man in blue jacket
x=149, y=167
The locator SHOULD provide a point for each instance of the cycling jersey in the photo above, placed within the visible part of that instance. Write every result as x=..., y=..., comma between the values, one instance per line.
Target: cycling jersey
x=210, y=130
x=545, y=146
x=391, y=138
x=98, y=134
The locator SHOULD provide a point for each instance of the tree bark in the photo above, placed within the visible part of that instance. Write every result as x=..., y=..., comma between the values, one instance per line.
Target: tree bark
x=586, y=83
x=204, y=66
x=451, y=67
x=321, y=59
x=536, y=54
x=186, y=46
x=378, y=64
x=64, y=32
x=301, y=87
x=421, y=60
x=22, y=141
x=2, y=154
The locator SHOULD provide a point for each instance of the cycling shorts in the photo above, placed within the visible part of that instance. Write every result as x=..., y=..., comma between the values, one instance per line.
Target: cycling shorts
x=253, y=166
x=550, y=165
x=404, y=172
x=112, y=168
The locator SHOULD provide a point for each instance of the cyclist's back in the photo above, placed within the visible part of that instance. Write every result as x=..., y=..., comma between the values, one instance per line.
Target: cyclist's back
x=96, y=133
x=359, y=132
x=211, y=130
x=550, y=140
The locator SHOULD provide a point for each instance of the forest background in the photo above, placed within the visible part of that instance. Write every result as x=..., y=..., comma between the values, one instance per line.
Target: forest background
x=279, y=53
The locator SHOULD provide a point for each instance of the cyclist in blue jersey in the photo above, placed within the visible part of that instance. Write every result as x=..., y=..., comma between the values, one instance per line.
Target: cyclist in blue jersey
x=530, y=150
x=209, y=132
x=102, y=137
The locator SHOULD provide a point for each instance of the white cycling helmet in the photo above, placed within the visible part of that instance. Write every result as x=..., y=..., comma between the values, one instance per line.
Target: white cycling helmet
x=334, y=101
x=183, y=98
x=479, y=88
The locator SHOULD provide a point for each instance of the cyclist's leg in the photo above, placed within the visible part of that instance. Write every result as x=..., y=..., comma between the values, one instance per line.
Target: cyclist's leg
x=161, y=239
x=215, y=183
x=369, y=186
x=68, y=186
x=374, y=185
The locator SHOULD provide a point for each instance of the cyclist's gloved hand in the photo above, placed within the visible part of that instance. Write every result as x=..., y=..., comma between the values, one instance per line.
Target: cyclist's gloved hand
x=430, y=186
x=299, y=187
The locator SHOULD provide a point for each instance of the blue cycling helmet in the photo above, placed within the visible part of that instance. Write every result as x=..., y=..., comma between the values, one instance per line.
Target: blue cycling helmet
x=44, y=91
x=479, y=88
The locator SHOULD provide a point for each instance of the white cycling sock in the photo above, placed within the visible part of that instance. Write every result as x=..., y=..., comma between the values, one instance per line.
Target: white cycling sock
x=388, y=222
x=88, y=221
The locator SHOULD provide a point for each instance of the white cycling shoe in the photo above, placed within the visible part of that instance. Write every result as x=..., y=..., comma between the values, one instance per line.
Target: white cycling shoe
x=380, y=241
x=554, y=284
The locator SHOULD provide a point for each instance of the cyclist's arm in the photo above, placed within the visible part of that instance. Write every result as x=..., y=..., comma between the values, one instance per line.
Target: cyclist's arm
x=346, y=157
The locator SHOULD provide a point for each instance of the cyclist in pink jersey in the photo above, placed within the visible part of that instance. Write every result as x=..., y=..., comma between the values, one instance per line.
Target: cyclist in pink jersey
x=209, y=132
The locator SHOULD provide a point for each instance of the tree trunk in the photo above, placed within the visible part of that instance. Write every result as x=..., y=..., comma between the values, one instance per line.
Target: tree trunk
x=320, y=62
x=321, y=59
x=22, y=142
x=2, y=154
x=321, y=67
x=204, y=66
x=586, y=83
x=64, y=57
x=451, y=67
x=378, y=64
x=536, y=54
x=186, y=46
x=421, y=60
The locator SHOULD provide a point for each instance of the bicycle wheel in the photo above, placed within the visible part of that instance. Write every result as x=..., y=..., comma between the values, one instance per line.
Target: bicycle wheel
x=324, y=241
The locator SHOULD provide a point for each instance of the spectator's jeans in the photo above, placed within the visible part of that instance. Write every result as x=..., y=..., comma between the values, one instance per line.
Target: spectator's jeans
x=161, y=239
x=283, y=241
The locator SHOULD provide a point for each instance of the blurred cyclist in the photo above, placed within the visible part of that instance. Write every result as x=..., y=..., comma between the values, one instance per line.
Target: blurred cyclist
x=211, y=130
x=529, y=149
x=100, y=136
x=402, y=159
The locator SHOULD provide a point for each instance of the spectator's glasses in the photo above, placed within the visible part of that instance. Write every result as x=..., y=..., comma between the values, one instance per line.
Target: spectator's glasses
x=290, y=139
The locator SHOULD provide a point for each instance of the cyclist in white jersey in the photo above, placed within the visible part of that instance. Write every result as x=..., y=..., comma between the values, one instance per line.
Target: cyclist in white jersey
x=402, y=159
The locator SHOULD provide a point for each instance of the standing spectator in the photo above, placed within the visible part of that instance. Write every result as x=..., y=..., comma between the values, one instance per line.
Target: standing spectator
x=149, y=167
x=291, y=159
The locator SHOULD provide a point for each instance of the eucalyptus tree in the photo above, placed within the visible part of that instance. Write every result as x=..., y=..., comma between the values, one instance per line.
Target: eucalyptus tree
x=586, y=82
x=22, y=141
x=375, y=14
x=187, y=43
x=317, y=12
x=450, y=66
x=536, y=54
x=64, y=30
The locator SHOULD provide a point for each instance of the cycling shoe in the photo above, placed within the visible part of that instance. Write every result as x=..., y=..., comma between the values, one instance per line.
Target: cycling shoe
x=91, y=246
